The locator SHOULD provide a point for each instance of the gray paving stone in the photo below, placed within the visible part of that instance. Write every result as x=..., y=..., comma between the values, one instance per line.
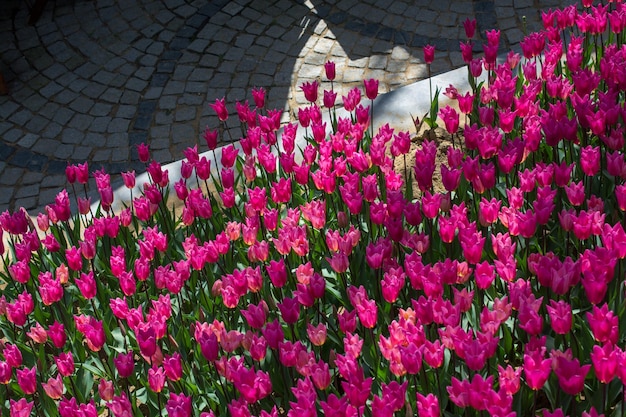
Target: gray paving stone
x=41, y=149
x=63, y=115
x=196, y=87
x=101, y=109
x=164, y=16
x=144, y=73
x=156, y=48
x=87, y=70
x=100, y=124
x=81, y=121
x=199, y=45
x=4, y=126
x=131, y=54
x=153, y=93
x=129, y=97
x=52, y=130
x=514, y=35
x=72, y=136
x=93, y=140
x=255, y=28
x=7, y=108
x=210, y=61
x=166, y=36
x=192, y=100
x=503, y=12
x=63, y=151
x=54, y=71
x=82, y=104
x=238, y=23
x=50, y=89
x=315, y=58
x=120, y=155
x=523, y=3
x=94, y=90
x=22, y=94
x=185, y=11
x=126, y=111
x=78, y=85
x=232, y=8
x=27, y=191
x=66, y=79
x=174, y=87
x=162, y=155
x=151, y=30
x=505, y=24
x=162, y=132
x=37, y=124
x=181, y=73
x=148, y=60
x=117, y=141
x=114, y=63
x=53, y=181
x=21, y=117
x=225, y=35
x=200, y=74
x=250, y=13
x=167, y=102
x=118, y=81
x=163, y=118
x=102, y=155
x=142, y=44
x=81, y=153
x=10, y=174
x=46, y=197
x=118, y=125
x=74, y=62
x=188, y=58
x=126, y=70
x=160, y=143
x=184, y=114
x=28, y=140
x=231, y=66
x=136, y=84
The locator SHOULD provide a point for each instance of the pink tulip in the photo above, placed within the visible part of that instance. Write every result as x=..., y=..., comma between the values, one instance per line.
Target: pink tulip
x=604, y=324
x=310, y=91
x=605, y=360
x=371, y=88
x=65, y=363
x=329, y=68
x=54, y=387
x=427, y=406
x=6, y=373
x=12, y=355
x=21, y=408
x=156, y=379
x=27, y=380
x=429, y=54
x=120, y=406
x=450, y=118
x=571, y=375
x=220, y=109
x=106, y=390
x=536, y=370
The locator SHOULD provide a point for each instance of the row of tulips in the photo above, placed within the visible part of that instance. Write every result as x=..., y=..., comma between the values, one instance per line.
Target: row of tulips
x=328, y=276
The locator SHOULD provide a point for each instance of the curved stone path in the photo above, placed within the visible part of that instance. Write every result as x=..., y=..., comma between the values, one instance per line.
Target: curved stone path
x=93, y=78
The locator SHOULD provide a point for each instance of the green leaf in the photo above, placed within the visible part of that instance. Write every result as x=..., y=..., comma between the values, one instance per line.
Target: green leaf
x=84, y=383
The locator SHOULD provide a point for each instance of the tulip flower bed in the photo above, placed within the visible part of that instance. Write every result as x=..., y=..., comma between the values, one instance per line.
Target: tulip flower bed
x=322, y=281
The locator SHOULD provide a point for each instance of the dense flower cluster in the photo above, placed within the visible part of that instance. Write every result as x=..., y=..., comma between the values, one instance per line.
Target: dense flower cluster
x=327, y=277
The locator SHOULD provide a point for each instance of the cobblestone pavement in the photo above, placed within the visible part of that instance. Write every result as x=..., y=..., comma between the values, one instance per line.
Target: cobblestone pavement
x=94, y=78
